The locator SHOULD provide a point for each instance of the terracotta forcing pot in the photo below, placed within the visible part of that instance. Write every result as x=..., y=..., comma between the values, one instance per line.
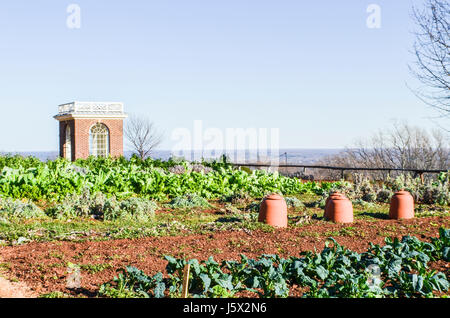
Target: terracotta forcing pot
x=402, y=205
x=273, y=211
x=340, y=210
x=332, y=196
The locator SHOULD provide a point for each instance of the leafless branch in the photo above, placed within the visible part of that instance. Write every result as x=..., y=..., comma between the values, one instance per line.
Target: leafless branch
x=432, y=55
x=403, y=146
x=142, y=135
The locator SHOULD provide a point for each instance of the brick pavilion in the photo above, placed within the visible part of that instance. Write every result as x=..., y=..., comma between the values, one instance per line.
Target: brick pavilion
x=90, y=129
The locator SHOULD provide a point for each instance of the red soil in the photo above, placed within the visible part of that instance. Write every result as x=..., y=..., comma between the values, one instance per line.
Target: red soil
x=43, y=266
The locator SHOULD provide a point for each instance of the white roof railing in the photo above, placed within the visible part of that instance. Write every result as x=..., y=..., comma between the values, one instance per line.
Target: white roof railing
x=107, y=108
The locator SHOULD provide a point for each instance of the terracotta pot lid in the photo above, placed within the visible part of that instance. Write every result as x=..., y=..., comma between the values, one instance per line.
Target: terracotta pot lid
x=340, y=197
x=273, y=196
x=402, y=192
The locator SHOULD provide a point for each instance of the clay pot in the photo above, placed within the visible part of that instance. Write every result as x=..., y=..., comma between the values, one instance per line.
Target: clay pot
x=332, y=196
x=402, y=206
x=340, y=210
x=273, y=211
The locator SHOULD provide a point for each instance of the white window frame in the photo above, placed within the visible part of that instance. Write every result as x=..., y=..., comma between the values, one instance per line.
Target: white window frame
x=99, y=140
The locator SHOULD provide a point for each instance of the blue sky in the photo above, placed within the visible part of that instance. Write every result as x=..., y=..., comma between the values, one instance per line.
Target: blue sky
x=311, y=68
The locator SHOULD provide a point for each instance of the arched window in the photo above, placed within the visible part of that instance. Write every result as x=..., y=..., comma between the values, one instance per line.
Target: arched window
x=68, y=144
x=99, y=140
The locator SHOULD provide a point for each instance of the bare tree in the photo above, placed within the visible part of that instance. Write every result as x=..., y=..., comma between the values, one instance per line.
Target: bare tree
x=142, y=135
x=403, y=146
x=432, y=55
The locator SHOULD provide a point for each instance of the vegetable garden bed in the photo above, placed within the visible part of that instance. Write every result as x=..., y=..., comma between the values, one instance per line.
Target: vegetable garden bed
x=43, y=266
x=102, y=216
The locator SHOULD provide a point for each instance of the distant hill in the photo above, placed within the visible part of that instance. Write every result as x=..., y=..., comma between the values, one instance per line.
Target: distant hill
x=305, y=156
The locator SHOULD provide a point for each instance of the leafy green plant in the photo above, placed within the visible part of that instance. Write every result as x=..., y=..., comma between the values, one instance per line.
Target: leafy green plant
x=133, y=283
x=442, y=245
x=58, y=179
x=54, y=294
x=334, y=272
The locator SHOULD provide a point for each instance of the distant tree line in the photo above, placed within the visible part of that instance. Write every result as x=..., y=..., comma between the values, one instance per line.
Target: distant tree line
x=403, y=146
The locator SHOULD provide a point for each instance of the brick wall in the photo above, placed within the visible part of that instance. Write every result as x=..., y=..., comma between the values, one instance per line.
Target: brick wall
x=80, y=136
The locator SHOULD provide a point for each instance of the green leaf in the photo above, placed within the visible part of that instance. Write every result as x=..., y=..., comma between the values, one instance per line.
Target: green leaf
x=395, y=266
x=159, y=290
x=446, y=254
x=321, y=272
x=206, y=281
x=417, y=283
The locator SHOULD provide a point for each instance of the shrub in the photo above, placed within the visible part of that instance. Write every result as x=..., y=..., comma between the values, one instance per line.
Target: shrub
x=82, y=205
x=240, y=198
x=98, y=206
x=187, y=168
x=178, y=169
x=384, y=195
x=369, y=197
x=138, y=208
x=437, y=192
x=363, y=189
x=189, y=201
x=293, y=202
x=201, y=169
x=253, y=207
x=246, y=169
x=10, y=208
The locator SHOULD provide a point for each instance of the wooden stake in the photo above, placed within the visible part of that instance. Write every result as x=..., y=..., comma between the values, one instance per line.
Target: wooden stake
x=185, y=286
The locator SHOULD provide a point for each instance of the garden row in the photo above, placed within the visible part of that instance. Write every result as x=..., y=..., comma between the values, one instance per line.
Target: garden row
x=164, y=180
x=398, y=269
x=101, y=207
x=55, y=180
